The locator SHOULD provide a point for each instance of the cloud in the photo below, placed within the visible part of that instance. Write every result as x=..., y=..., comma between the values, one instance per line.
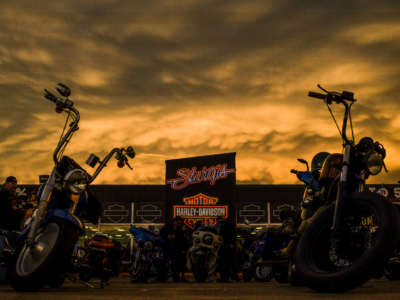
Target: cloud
x=177, y=79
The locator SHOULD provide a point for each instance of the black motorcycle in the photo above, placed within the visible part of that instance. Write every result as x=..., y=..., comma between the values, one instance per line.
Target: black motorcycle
x=43, y=254
x=350, y=237
x=391, y=269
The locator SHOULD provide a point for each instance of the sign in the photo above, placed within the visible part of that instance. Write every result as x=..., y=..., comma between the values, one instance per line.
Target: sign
x=200, y=208
x=387, y=190
x=201, y=188
x=255, y=213
x=193, y=176
x=149, y=213
x=116, y=213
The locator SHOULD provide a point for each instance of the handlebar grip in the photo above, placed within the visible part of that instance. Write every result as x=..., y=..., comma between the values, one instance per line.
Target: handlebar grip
x=50, y=96
x=293, y=171
x=317, y=95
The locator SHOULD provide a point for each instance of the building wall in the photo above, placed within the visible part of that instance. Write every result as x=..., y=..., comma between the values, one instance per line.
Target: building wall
x=146, y=204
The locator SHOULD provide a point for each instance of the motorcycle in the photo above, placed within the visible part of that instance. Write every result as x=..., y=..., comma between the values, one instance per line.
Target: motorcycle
x=391, y=269
x=314, y=196
x=149, y=258
x=264, y=259
x=100, y=258
x=245, y=247
x=202, y=257
x=43, y=254
x=348, y=238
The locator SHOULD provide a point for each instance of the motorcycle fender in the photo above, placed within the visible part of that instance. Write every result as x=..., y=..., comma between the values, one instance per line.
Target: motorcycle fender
x=63, y=214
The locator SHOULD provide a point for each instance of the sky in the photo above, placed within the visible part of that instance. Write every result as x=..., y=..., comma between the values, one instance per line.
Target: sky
x=182, y=78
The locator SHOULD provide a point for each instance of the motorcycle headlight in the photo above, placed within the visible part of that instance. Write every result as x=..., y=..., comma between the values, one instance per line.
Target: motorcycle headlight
x=208, y=239
x=76, y=181
x=148, y=245
x=374, y=163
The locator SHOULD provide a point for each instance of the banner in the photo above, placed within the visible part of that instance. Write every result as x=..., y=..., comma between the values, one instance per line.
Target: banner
x=201, y=188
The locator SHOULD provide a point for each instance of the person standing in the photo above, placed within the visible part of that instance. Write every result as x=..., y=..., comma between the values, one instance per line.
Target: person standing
x=174, y=236
x=10, y=213
x=227, y=260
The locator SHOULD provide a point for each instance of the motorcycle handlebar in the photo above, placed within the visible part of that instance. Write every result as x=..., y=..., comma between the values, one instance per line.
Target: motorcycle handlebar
x=333, y=96
x=50, y=96
x=316, y=95
x=59, y=102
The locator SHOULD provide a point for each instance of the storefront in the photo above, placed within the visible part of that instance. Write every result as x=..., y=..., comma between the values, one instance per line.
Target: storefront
x=197, y=189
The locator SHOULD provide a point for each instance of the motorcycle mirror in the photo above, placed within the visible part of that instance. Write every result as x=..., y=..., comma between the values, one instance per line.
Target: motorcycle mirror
x=63, y=90
x=121, y=164
x=303, y=161
x=92, y=160
x=130, y=152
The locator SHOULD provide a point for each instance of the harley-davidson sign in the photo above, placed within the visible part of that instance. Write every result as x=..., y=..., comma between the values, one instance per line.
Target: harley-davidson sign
x=201, y=188
x=200, y=208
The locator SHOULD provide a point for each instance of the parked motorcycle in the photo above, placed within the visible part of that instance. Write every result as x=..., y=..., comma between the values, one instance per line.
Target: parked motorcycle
x=149, y=259
x=391, y=269
x=202, y=257
x=349, y=238
x=245, y=247
x=44, y=249
x=314, y=196
x=100, y=259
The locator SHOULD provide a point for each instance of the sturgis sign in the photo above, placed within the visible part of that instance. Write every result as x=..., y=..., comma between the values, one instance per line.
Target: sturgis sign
x=201, y=188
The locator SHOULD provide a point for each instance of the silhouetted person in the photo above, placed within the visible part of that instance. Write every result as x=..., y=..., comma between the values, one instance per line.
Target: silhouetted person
x=227, y=260
x=176, y=246
x=10, y=213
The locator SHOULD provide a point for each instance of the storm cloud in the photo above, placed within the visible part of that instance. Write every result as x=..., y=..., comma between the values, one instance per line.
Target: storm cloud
x=196, y=77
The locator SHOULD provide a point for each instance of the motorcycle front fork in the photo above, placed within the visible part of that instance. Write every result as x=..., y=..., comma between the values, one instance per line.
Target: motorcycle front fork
x=341, y=189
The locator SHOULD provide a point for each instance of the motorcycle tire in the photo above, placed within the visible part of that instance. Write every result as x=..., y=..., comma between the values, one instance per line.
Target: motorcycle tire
x=141, y=272
x=200, y=270
x=248, y=274
x=56, y=282
x=392, y=271
x=61, y=237
x=281, y=274
x=316, y=260
x=263, y=273
x=293, y=276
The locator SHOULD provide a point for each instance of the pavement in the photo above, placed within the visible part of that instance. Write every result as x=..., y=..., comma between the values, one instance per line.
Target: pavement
x=122, y=288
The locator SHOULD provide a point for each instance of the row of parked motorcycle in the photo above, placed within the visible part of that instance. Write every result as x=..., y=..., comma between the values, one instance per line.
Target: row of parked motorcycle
x=343, y=237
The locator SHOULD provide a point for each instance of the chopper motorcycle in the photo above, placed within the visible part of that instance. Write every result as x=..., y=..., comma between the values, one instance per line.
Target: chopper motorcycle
x=43, y=254
x=349, y=238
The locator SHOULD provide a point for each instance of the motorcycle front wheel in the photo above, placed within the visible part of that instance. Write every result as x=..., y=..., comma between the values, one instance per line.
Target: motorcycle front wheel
x=392, y=269
x=48, y=257
x=337, y=262
x=200, y=269
x=263, y=273
x=140, y=272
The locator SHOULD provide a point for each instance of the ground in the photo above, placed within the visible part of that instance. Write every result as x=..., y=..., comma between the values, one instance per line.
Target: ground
x=121, y=288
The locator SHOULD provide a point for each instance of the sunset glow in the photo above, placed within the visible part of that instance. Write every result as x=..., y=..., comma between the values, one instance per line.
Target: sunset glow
x=178, y=79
